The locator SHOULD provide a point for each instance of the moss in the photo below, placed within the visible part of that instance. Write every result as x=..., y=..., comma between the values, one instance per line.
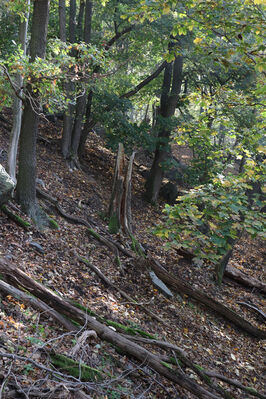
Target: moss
x=136, y=246
x=167, y=365
x=84, y=309
x=17, y=219
x=76, y=369
x=114, y=225
x=176, y=361
x=53, y=224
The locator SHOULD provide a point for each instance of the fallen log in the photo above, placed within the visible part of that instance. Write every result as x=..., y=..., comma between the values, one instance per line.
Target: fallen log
x=258, y=311
x=158, y=363
x=37, y=304
x=183, y=287
x=20, y=279
x=243, y=279
x=122, y=293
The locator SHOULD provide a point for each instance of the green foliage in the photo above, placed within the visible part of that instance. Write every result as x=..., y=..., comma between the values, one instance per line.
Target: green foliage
x=114, y=114
x=208, y=218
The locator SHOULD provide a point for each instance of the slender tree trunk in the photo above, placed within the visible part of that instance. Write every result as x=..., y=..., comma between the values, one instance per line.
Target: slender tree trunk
x=26, y=186
x=169, y=99
x=80, y=19
x=87, y=125
x=69, y=86
x=72, y=21
x=17, y=105
x=81, y=101
x=62, y=20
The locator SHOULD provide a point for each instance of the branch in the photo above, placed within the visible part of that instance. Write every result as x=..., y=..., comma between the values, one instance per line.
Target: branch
x=145, y=81
x=117, y=36
x=14, y=88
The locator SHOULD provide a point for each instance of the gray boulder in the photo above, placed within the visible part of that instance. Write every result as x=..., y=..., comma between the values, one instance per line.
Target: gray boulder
x=6, y=186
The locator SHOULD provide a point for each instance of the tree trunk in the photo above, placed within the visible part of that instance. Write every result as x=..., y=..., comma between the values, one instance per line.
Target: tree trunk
x=26, y=187
x=81, y=101
x=87, y=125
x=80, y=19
x=16, y=276
x=120, y=203
x=62, y=20
x=17, y=105
x=72, y=21
x=69, y=86
x=181, y=286
x=169, y=99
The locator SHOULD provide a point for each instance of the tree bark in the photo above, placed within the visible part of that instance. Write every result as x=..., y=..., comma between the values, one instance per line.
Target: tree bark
x=169, y=99
x=62, y=20
x=120, y=203
x=69, y=86
x=80, y=19
x=26, y=187
x=82, y=99
x=243, y=279
x=72, y=21
x=17, y=105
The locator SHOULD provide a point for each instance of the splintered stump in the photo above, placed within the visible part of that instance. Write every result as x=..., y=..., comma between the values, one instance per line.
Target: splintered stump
x=120, y=203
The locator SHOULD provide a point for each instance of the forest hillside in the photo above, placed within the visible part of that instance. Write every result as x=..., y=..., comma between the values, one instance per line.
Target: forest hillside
x=211, y=352
x=132, y=199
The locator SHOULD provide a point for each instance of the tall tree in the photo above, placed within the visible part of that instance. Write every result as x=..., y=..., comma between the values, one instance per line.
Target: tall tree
x=17, y=105
x=69, y=86
x=26, y=186
x=82, y=99
x=169, y=99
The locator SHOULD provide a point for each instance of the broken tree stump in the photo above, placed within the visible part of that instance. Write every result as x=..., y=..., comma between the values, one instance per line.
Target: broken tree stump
x=120, y=203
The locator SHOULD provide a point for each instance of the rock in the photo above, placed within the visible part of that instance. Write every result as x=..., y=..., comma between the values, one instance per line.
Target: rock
x=6, y=186
x=37, y=246
x=160, y=285
x=175, y=171
x=169, y=192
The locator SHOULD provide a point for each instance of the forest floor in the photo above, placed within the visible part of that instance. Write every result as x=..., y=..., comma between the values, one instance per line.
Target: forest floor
x=207, y=338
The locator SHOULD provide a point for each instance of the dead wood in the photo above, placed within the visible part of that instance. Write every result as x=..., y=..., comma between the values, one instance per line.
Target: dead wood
x=243, y=279
x=114, y=246
x=71, y=218
x=20, y=279
x=121, y=292
x=37, y=304
x=202, y=373
x=120, y=202
x=183, y=287
x=248, y=305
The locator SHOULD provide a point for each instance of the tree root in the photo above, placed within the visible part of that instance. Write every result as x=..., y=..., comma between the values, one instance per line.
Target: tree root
x=17, y=219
